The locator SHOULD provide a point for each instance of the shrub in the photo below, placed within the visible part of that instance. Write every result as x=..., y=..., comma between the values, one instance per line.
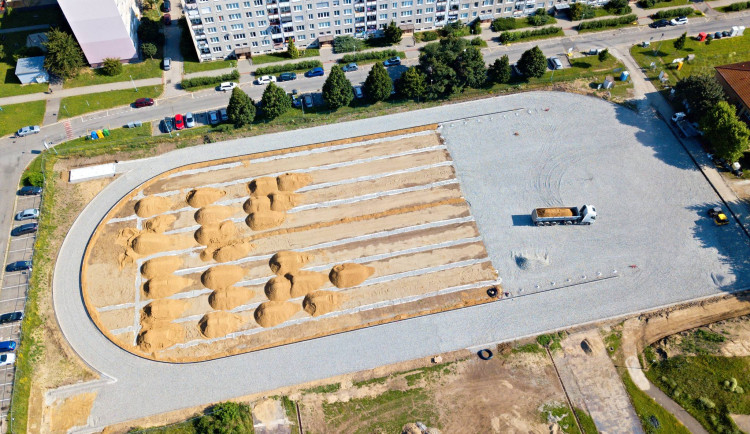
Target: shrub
x=224, y=128
x=671, y=13
x=539, y=18
x=347, y=44
x=618, y=7
x=507, y=37
x=603, y=24
x=190, y=83
x=34, y=178
x=544, y=340
x=286, y=67
x=500, y=24
x=478, y=42
x=456, y=28
x=429, y=35
x=707, y=403
x=370, y=55
x=604, y=55
x=734, y=7
x=112, y=66
x=581, y=11
x=476, y=27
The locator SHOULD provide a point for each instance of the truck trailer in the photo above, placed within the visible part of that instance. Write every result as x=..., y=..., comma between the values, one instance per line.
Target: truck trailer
x=564, y=216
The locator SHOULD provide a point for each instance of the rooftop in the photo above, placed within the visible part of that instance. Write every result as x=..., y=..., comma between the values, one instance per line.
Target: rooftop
x=30, y=65
x=737, y=76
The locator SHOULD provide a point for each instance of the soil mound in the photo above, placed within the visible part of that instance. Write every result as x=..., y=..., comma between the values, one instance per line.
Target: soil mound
x=554, y=212
x=229, y=298
x=293, y=181
x=233, y=251
x=219, y=324
x=201, y=197
x=148, y=243
x=283, y=200
x=322, y=302
x=259, y=221
x=164, y=286
x=216, y=233
x=161, y=335
x=349, y=274
x=152, y=205
x=263, y=186
x=166, y=309
x=278, y=288
x=272, y=313
x=163, y=265
x=222, y=276
x=213, y=214
x=257, y=204
x=305, y=282
x=286, y=261
x=160, y=223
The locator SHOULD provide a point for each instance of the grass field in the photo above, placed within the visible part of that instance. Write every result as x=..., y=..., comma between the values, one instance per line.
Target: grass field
x=149, y=68
x=21, y=17
x=718, y=52
x=668, y=4
x=195, y=66
x=282, y=56
x=646, y=407
x=77, y=105
x=15, y=116
x=602, y=29
x=533, y=38
x=9, y=84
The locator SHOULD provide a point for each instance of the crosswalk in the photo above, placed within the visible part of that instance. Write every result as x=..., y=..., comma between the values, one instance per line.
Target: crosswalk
x=68, y=130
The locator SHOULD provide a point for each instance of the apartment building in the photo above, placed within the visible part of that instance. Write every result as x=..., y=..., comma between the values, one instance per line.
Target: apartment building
x=104, y=28
x=224, y=28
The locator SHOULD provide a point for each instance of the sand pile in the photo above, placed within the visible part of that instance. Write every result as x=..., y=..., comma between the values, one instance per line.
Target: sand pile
x=161, y=335
x=222, y=276
x=259, y=221
x=283, y=200
x=166, y=309
x=160, y=223
x=293, y=181
x=229, y=298
x=152, y=205
x=285, y=262
x=257, y=204
x=233, y=251
x=213, y=214
x=219, y=324
x=272, y=313
x=201, y=197
x=161, y=266
x=349, y=274
x=263, y=186
x=322, y=302
x=216, y=233
x=278, y=288
x=305, y=282
x=164, y=286
x=148, y=243
x=554, y=212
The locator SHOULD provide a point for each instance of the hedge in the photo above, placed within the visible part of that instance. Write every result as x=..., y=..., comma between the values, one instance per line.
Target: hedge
x=189, y=83
x=370, y=55
x=426, y=36
x=734, y=7
x=601, y=24
x=500, y=24
x=671, y=13
x=507, y=37
x=287, y=67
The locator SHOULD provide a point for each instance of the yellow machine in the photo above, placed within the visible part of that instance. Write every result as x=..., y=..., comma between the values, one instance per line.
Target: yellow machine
x=718, y=216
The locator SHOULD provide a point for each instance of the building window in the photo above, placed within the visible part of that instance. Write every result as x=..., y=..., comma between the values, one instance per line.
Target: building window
x=348, y=31
x=321, y=5
x=405, y=13
x=206, y=10
x=217, y=49
x=218, y=8
x=337, y=23
x=258, y=2
x=324, y=14
x=260, y=13
x=419, y=11
x=253, y=34
x=336, y=13
x=262, y=23
x=221, y=18
x=429, y=10
x=237, y=26
x=419, y=20
x=383, y=6
x=232, y=6
x=395, y=15
x=324, y=25
x=407, y=3
x=465, y=6
x=266, y=42
x=211, y=30
x=246, y=4
x=297, y=8
x=312, y=35
x=238, y=36
x=250, y=25
x=383, y=17
x=301, y=37
x=226, y=37
x=347, y=11
x=255, y=43
x=428, y=20
x=348, y=21
x=248, y=14
x=464, y=15
x=214, y=40
x=223, y=28
x=300, y=28
x=208, y=19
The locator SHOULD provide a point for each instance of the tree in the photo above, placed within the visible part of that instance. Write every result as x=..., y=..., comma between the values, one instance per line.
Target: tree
x=604, y=55
x=148, y=49
x=337, y=90
x=411, y=84
x=499, y=71
x=64, y=56
x=111, y=66
x=150, y=31
x=292, y=50
x=450, y=65
x=275, y=102
x=532, y=63
x=347, y=44
x=580, y=11
x=226, y=418
x=700, y=93
x=378, y=84
x=241, y=108
x=679, y=43
x=456, y=28
x=392, y=33
x=727, y=134
x=476, y=27
x=150, y=4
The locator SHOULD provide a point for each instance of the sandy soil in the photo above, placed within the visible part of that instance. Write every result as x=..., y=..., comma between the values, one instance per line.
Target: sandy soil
x=71, y=412
x=184, y=271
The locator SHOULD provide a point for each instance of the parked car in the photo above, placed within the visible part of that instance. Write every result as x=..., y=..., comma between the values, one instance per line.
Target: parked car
x=6, y=346
x=350, y=67
x=7, y=359
x=679, y=21
x=30, y=190
x=134, y=124
x=12, y=316
x=358, y=92
x=167, y=20
x=265, y=79
x=315, y=72
x=678, y=117
x=179, y=122
x=726, y=33
x=227, y=86
x=223, y=116
x=717, y=35
x=144, y=102
x=594, y=51
x=166, y=6
x=554, y=63
x=659, y=23
x=17, y=266
x=28, y=228
x=393, y=61
x=27, y=214
x=287, y=76
x=167, y=63
x=189, y=120
x=213, y=117
x=296, y=102
x=168, y=124
x=307, y=100
x=27, y=131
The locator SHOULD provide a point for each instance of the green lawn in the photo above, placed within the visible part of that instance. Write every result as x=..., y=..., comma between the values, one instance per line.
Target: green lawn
x=22, y=17
x=9, y=84
x=195, y=66
x=646, y=407
x=533, y=38
x=668, y=4
x=589, y=68
x=718, y=52
x=282, y=56
x=80, y=104
x=603, y=29
x=15, y=116
x=149, y=68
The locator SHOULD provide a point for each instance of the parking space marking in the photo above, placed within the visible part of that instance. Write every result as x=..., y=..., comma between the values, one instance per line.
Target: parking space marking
x=13, y=299
x=12, y=286
x=23, y=238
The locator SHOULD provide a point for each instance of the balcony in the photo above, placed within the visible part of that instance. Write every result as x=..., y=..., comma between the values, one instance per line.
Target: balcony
x=440, y=9
x=276, y=22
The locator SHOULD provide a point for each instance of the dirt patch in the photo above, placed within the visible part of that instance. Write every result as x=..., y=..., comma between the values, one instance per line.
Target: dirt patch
x=262, y=220
x=273, y=313
x=219, y=324
x=283, y=200
x=201, y=197
x=163, y=265
x=293, y=181
x=165, y=285
x=161, y=335
x=160, y=223
x=213, y=214
x=278, y=288
x=350, y=274
x=230, y=298
x=305, y=282
x=71, y=412
x=151, y=206
x=263, y=186
x=286, y=262
x=322, y=302
x=222, y=276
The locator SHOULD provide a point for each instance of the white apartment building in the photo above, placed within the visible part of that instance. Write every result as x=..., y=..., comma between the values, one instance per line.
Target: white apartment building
x=104, y=28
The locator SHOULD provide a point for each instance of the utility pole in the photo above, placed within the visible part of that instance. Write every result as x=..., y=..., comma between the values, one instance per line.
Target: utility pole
x=131, y=80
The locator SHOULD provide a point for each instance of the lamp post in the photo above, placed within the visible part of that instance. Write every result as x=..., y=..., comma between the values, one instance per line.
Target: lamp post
x=131, y=80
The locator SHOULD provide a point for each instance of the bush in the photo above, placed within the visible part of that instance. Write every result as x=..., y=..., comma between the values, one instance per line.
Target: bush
x=347, y=44
x=112, y=66
x=224, y=128
x=618, y=7
x=508, y=37
x=190, y=83
x=539, y=18
x=707, y=403
x=476, y=27
x=429, y=35
x=603, y=24
x=34, y=178
x=370, y=55
x=478, y=42
x=671, y=13
x=286, y=67
x=581, y=11
x=456, y=28
x=500, y=24
x=734, y=7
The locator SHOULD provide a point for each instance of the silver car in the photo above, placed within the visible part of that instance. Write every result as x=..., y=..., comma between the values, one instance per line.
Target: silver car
x=189, y=120
x=27, y=131
x=28, y=214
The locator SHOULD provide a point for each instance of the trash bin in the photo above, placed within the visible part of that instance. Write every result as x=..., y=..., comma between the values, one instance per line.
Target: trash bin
x=93, y=135
x=106, y=132
x=100, y=133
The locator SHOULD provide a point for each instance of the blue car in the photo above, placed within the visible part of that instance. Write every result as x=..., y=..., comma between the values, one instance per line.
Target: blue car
x=315, y=72
x=18, y=266
x=6, y=346
x=30, y=190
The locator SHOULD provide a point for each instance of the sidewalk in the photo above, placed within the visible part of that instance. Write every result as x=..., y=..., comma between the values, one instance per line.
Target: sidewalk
x=18, y=99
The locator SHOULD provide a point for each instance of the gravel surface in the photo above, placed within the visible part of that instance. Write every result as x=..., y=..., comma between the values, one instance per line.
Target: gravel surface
x=650, y=198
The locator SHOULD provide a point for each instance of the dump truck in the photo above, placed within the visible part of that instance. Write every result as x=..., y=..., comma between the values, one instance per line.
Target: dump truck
x=564, y=216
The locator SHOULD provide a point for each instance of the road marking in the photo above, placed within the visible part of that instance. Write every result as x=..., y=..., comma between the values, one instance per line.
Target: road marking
x=14, y=286
x=24, y=238
x=9, y=325
x=68, y=130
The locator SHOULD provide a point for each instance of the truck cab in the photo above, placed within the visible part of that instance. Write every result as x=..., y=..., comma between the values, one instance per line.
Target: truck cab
x=588, y=214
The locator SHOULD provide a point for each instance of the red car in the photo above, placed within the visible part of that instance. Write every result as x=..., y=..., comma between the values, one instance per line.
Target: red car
x=144, y=102
x=167, y=20
x=179, y=122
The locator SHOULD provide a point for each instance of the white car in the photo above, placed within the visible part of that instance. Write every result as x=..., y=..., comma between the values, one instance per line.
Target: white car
x=678, y=21
x=189, y=120
x=27, y=131
x=227, y=86
x=7, y=359
x=265, y=79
